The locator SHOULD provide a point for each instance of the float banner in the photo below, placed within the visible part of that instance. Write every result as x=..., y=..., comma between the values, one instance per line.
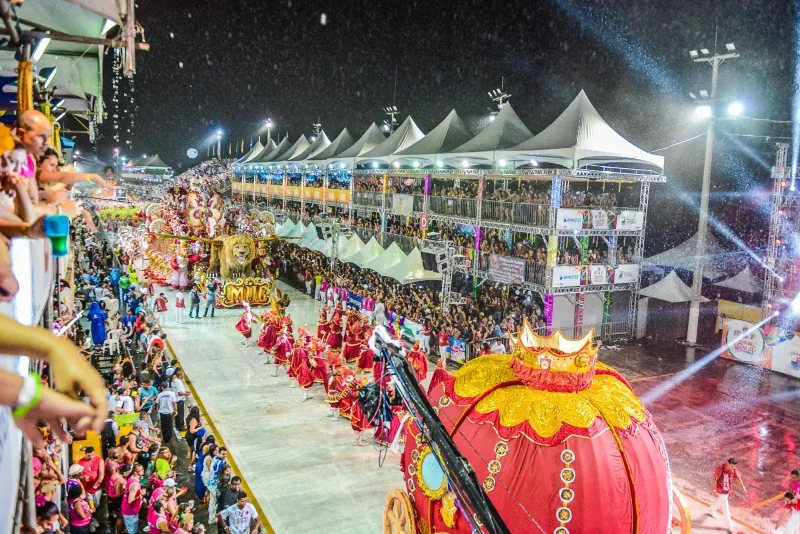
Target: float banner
x=630, y=220
x=254, y=291
x=403, y=204
x=458, y=350
x=354, y=301
x=626, y=273
x=506, y=270
x=567, y=275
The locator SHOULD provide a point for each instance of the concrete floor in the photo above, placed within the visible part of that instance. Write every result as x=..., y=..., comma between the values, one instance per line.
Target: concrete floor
x=304, y=470
x=309, y=477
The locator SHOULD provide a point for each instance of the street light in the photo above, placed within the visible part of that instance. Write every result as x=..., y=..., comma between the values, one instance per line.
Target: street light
x=702, y=225
x=703, y=112
x=268, y=124
x=219, y=144
x=735, y=109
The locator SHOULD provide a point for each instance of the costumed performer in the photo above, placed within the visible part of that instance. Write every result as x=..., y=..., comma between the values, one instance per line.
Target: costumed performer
x=283, y=348
x=439, y=374
x=243, y=326
x=352, y=345
x=419, y=361
x=269, y=333
x=322, y=324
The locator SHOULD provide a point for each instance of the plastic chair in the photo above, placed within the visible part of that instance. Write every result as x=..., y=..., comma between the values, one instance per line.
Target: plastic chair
x=112, y=341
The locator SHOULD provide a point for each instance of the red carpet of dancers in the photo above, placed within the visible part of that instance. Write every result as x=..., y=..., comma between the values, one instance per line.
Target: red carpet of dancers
x=342, y=338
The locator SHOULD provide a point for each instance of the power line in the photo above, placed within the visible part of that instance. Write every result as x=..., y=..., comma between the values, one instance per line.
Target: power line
x=680, y=142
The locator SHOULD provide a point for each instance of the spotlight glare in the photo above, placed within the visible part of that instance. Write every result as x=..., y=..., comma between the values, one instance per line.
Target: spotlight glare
x=465, y=164
x=396, y=164
x=735, y=109
x=440, y=164
x=703, y=112
x=503, y=163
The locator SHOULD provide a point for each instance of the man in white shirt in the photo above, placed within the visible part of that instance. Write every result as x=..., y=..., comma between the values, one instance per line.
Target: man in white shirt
x=498, y=347
x=125, y=402
x=167, y=406
x=240, y=518
x=179, y=388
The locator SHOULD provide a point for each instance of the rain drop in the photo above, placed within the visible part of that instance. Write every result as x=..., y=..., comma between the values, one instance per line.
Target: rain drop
x=171, y=35
x=323, y=19
x=180, y=64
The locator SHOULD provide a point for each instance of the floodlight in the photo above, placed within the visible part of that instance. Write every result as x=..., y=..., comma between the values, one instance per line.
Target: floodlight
x=48, y=73
x=60, y=116
x=534, y=163
x=704, y=51
x=342, y=166
x=374, y=164
x=693, y=96
x=41, y=46
x=730, y=47
x=502, y=163
x=396, y=164
x=77, y=152
x=465, y=164
x=735, y=109
x=416, y=164
x=704, y=93
x=440, y=164
x=219, y=132
x=491, y=118
x=693, y=54
x=313, y=138
x=703, y=112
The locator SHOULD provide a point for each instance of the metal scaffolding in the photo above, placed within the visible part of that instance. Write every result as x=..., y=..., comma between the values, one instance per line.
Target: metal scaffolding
x=781, y=199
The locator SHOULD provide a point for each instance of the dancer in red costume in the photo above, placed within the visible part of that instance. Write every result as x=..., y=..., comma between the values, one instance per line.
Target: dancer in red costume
x=334, y=339
x=283, y=348
x=322, y=324
x=243, y=326
x=419, y=361
x=269, y=334
x=317, y=352
x=352, y=345
x=438, y=375
x=342, y=381
x=365, y=363
x=298, y=356
x=358, y=419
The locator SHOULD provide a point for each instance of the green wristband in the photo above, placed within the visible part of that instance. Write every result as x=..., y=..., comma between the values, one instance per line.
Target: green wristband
x=21, y=411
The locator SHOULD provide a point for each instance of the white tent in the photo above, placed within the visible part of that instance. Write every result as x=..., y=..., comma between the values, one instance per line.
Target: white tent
x=389, y=258
x=579, y=137
x=308, y=237
x=320, y=143
x=716, y=262
x=671, y=289
x=406, y=135
x=342, y=142
x=449, y=134
x=371, y=250
x=253, y=152
x=296, y=149
x=505, y=131
x=371, y=138
x=285, y=229
x=329, y=248
x=270, y=151
x=411, y=270
x=297, y=231
x=352, y=247
x=745, y=281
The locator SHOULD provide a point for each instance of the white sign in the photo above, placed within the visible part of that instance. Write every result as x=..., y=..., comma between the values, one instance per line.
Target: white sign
x=630, y=220
x=403, y=204
x=600, y=220
x=626, y=273
x=567, y=275
x=569, y=219
x=598, y=275
x=744, y=342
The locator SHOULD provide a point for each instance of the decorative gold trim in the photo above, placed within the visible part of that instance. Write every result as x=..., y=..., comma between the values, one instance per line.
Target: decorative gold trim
x=433, y=494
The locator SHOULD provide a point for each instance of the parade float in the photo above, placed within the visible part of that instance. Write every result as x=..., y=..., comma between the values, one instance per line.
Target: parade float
x=194, y=236
x=559, y=442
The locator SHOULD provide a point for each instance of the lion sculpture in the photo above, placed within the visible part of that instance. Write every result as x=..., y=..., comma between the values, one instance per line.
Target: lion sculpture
x=232, y=256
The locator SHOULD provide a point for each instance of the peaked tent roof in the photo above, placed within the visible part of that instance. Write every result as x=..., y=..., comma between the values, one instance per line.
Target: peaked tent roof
x=371, y=250
x=411, y=270
x=352, y=247
x=135, y=162
x=449, y=134
x=329, y=248
x=388, y=258
x=505, y=131
x=297, y=231
x=268, y=154
x=153, y=162
x=342, y=142
x=671, y=289
x=745, y=281
x=369, y=140
x=406, y=135
x=297, y=148
x=716, y=262
x=319, y=144
x=309, y=236
x=580, y=136
x=286, y=228
x=255, y=151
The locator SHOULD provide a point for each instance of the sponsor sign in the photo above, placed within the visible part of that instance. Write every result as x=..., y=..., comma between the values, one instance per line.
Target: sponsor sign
x=567, y=275
x=254, y=291
x=569, y=219
x=506, y=270
x=598, y=275
x=354, y=301
x=626, y=273
x=403, y=204
x=630, y=220
x=412, y=330
x=742, y=342
x=458, y=350
x=600, y=219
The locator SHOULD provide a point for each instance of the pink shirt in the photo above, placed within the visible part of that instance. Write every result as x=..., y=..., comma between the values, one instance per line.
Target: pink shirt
x=74, y=518
x=134, y=507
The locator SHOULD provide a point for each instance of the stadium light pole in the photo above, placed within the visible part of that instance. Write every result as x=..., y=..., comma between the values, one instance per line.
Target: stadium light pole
x=702, y=226
x=269, y=130
x=219, y=144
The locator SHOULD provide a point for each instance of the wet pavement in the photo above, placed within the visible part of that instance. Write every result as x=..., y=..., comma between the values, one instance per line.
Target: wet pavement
x=724, y=409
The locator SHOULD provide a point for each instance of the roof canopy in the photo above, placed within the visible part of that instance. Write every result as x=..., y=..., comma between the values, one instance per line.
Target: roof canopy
x=505, y=131
x=254, y=151
x=745, y=281
x=154, y=162
x=716, y=261
x=285, y=228
x=352, y=248
x=369, y=252
x=369, y=140
x=411, y=270
x=388, y=258
x=269, y=152
x=448, y=135
x=342, y=142
x=406, y=135
x=319, y=144
x=579, y=137
x=671, y=289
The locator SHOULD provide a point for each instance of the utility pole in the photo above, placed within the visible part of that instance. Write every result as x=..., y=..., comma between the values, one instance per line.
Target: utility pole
x=702, y=226
x=269, y=130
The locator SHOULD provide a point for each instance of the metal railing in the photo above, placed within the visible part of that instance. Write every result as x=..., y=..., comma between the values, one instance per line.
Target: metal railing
x=516, y=213
x=454, y=207
x=368, y=198
x=406, y=243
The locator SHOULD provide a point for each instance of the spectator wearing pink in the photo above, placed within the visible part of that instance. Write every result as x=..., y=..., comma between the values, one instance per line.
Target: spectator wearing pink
x=367, y=307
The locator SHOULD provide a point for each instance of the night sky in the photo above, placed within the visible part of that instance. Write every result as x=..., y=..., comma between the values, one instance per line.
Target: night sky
x=297, y=61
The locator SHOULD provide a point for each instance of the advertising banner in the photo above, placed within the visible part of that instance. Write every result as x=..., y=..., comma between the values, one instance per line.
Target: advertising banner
x=630, y=220
x=567, y=275
x=403, y=204
x=506, y=270
x=412, y=330
x=339, y=195
x=598, y=275
x=767, y=346
x=254, y=291
x=293, y=191
x=626, y=273
x=354, y=301
x=569, y=219
x=458, y=350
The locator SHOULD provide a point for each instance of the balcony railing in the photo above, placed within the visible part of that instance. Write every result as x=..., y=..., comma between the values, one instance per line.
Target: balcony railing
x=454, y=207
x=516, y=213
x=369, y=198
